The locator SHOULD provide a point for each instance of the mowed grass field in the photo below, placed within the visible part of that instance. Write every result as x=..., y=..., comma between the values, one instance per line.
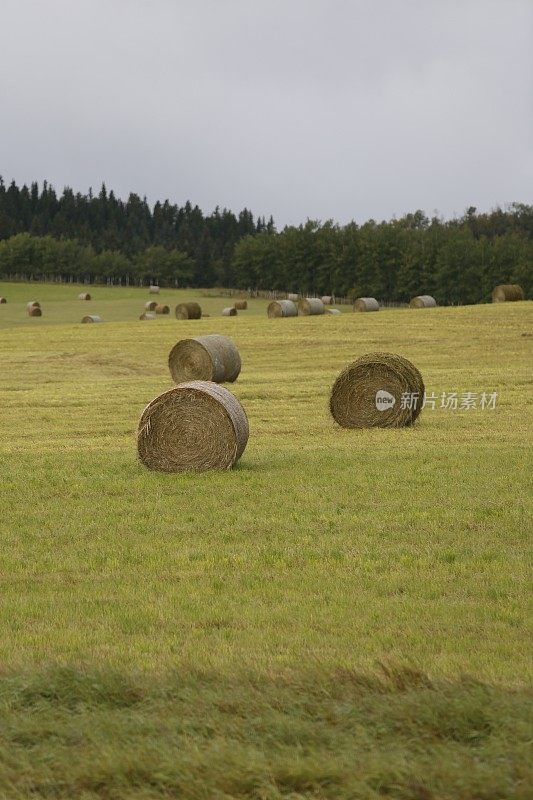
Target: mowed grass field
x=344, y=615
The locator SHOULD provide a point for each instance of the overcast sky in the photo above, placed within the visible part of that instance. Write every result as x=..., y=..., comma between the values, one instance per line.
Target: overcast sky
x=343, y=109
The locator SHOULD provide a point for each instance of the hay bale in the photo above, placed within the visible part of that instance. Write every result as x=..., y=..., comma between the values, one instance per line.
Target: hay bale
x=368, y=392
x=84, y=296
x=2, y=301
x=241, y=305
x=282, y=308
x=32, y=304
x=423, y=301
x=35, y=311
x=366, y=304
x=154, y=290
x=92, y=318
x=151, y=305
x=205, y=358
x=162, y=309
x=327, y=299
x=293, y=296
x=310, y=306
x=332, y=311
x=147, y=315
x=188, y=311
x=507, y=292
x=230, y=311
x=196, y=426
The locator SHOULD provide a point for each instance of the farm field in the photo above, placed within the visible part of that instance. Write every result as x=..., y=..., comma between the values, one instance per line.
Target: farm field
x=344, y=615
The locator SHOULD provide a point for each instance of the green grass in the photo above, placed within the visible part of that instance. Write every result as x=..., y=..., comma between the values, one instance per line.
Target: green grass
x=324, y=554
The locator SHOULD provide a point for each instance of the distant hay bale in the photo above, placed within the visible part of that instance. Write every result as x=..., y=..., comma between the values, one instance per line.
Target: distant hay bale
x=205, y=315
x=423, y=301
x=188, y=311
x=327, y=299
x=32, y=304
x=162, y=309
x=293, y=296
x=2, y=301
x=332, y=311
x=147, y=315
x=507, y=292
x=310, y=306
x=282, y=308
x=84, y=296
x=92, y=318
x=230, y=311
x=366, y=304
x=151, y=305
x=154, y=290
x=35, y=311
x=196, y=426
x=241, y=305
x=205, y=358
x=368, y=393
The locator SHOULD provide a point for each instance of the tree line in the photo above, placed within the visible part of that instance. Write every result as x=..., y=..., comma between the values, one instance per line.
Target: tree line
x=94, y=238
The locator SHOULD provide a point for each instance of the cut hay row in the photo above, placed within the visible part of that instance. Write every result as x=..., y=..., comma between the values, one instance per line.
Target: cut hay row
x=196, y=426
x=332, y=311
x=147, y=315
x=241, y=305
x=162, y=309
x=368, y=392
x=366, y=304
x=282, y=308
x=230, y=311
x=84, y=296
x=310, y=306
x=507, y=292
x=188, y=311
x=154, y=290
x=423, y=301
x=91, y=318
x=207, y=358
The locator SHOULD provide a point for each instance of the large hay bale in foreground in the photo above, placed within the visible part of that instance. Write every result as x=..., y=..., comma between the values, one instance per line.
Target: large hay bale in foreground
x=293, y=296
x=507, y=292
x=188, y=311
x=2, y=301
x=368, y=392
x=310, y=306
x=423, y=301
x=230, y=311
x=35, y=311
x=32, y=304
x=84, y=296
x=92, y=318
x=154, y=290
x=162, y=309
x=151, y=305
x=205, y=358
x=282, y=308
x=147, y=315
x=366, y=304
x=196, y=426
x=327, y=299
x=241, y=305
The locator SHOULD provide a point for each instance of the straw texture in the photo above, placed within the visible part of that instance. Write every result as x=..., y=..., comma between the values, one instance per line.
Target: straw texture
x=241, y=305
x=366, y=304
x=84, y=296
x=370, y=381
x=196, y=426
x=230, y=311
x=282, y=308
x=423, y=301
x=188, y=311
x=310, y=306
x=507, y=292
x=92, y=318
x=162, y=309
x=207, y=358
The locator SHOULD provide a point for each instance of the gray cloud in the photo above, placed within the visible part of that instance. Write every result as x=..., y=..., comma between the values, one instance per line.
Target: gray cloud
x=301, y=108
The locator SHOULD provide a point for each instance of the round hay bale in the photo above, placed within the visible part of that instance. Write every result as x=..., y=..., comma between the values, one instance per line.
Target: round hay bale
x=423, y=301
x=35, y=311
x=92, y=318
x=230, y=311
x=196, y=426
x=241, y=305
x=282, y=308
x=310, y=306
x=327, y=299
x=188, y=311
x=151, y=305
x=2, y=301
x=33, y=304
x=205, y=358
x=507, y=292
x=154, y=290
x=293, y=296
x=366, y=304
x=147, y=315
x=205, y=315
x=84, y=296
x=162, y=309
x=368, y=392
x=332, y=311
